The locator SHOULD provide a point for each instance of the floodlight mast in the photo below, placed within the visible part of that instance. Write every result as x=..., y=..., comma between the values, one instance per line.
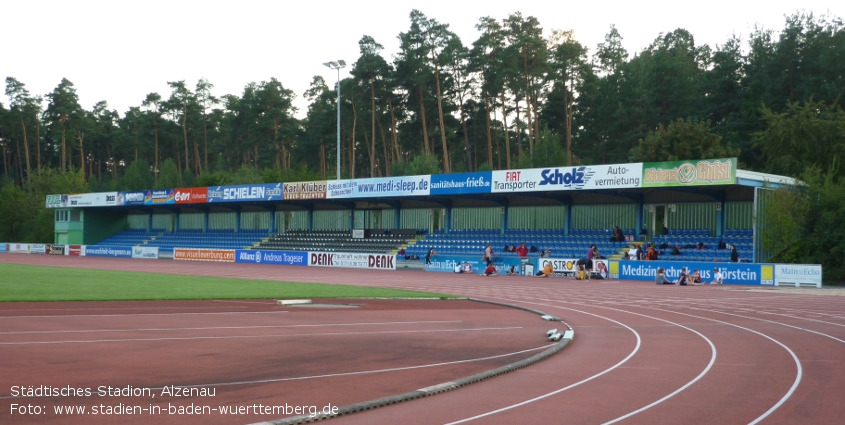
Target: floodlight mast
x=338, y=64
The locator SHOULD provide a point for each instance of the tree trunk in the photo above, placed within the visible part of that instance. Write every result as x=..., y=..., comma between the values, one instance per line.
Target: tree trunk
x=489, y=139
x=373, y=130
x=507, y=138
x=384, y=148
x=426, y=147
x=567, y=104
x=82, y=155
x=518, y=130
x=198, y=167
x=352, y=142
x=205, y=137
x=447, y=168
x=155, y=131
x=397, y=152
x=531, y=140
x=64, y=146
x=38, y=142
x=466, y=137
x=496, y=143
x=26, y=150
x=185, y=134
x=322, y=160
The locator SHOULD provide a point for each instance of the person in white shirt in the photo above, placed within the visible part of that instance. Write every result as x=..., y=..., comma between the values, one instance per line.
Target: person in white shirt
x=717, y=277
x=467, y=267
x=632, y=253
x=458, y=268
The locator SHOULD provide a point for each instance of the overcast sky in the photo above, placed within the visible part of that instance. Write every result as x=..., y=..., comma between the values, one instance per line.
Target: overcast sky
x=119, y=51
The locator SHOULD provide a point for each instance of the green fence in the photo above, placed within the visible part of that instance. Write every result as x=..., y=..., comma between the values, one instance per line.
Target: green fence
x=255, y=220
x=164, y=221
x=137, y=221
x=331, y=220
x=222, y=221
x=693, y=216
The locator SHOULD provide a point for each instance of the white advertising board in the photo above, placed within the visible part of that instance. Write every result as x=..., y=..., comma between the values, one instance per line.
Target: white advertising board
x=619, y=176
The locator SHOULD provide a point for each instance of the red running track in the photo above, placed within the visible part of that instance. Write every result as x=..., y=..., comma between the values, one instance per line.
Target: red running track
x=642, y=354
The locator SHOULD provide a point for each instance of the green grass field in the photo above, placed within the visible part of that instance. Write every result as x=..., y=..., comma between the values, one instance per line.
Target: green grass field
x=40, y=283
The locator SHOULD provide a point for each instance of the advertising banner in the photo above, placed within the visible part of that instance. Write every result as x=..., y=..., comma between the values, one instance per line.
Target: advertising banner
x=191, y=195
x=460, y=183
x=193, y=254
x=247, y=192
x=287, y=258
x=618, y=176
x=37, y=248
x=3, y=247
x=568, y=267
x=446, y=264
x=130, y=198
x=705, y=172
x=103, y=199
x=75, y=250
x=160, y=197
x=355, y=260
x=380, y=187
x=149, y=252
x=55, y=201
x=17, y=248
x=107, y=251
x=305, y=190
x=797, y=274
x=56, y=250
x=734, y=273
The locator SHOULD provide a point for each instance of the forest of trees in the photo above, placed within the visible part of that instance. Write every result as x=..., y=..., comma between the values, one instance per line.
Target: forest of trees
x=516, y=97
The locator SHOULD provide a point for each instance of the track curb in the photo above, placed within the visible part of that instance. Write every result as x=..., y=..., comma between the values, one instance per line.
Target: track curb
x=442, y=387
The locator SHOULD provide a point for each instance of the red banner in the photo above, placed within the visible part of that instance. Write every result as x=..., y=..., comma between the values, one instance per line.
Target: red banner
x=191, y=195
x=74, y=250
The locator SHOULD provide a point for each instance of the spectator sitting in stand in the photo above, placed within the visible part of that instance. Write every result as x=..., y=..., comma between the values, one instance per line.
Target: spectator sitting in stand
x=617, y=235
x=546, y=271
x=640, y=253
x=665, y=231
x=701, y=245
x=734, y=255
x=533, y=249
x=489, y=271
x=522, y=250
x=652, y=254
x=722, y=244
x=512, y=248
x=506, y=248
x=676, y=251
x=626, y=256
x=632, y=253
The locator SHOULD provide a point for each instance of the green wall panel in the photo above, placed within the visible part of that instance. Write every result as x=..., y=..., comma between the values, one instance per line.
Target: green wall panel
x=739, y=215
x=191, y=221
x=255, y=220
x=416, y=218
x=163, y=221
x=222, y=221
x=693, y=216
x=550, y=217
x=331, y=220
x=137, y=221
x=603, y=216
x=476, y=218
x=99, y=224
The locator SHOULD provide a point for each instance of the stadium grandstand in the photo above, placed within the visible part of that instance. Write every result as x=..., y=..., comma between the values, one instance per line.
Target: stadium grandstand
x=559, y=211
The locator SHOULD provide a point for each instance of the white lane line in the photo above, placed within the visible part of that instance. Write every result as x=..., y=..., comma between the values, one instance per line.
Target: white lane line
x=334, y=375
x=621, y=362
x=229, y=327
x=799, y=369
x=670, y=395
x=252, y=336
x=141, y=314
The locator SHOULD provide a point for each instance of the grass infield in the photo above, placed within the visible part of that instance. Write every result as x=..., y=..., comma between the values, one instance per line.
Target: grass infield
x=46, y=283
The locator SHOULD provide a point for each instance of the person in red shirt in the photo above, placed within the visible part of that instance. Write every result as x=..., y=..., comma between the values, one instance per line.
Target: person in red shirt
x=489, y=271
x=522, y=251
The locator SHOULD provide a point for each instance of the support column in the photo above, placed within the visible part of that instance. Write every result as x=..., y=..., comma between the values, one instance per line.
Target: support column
x=311, y=219
x=639, y=217
x=720, y=217
x=397, y=219
x=448, y=222
x=238, y=220
x=150, y=222
x=568, y=226
x=272, y=228
x=176, y=221
x=505, y=213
